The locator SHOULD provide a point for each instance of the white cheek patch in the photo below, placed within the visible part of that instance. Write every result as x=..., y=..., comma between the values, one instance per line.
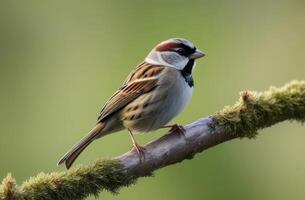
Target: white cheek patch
x=173, y=59
x=182, y=64
x=155, y=58
x=168, y=58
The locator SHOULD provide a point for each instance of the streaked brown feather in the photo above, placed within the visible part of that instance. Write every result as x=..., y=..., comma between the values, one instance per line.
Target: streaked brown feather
x=144, y=70
x=140, y=81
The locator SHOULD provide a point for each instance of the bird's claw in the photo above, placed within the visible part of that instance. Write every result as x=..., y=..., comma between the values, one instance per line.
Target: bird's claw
x=140, y=151
x=177, y=128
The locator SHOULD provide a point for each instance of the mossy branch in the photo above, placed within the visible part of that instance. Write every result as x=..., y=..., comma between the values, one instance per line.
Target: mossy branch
x=253, y=111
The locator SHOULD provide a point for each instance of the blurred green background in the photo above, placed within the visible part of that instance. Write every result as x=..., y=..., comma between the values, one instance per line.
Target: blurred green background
x=61, y=60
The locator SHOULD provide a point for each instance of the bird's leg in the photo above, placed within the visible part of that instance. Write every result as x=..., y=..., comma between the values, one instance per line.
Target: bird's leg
x=176, y=128
x=139, y=149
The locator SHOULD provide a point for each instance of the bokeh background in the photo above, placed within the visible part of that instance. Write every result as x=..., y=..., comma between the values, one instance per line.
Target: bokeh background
x=61, y=60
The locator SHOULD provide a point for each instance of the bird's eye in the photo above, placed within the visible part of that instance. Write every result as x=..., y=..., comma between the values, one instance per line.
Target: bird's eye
x=180, y=51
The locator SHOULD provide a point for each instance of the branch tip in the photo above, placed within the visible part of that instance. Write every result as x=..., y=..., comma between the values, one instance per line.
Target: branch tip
x=8, y=188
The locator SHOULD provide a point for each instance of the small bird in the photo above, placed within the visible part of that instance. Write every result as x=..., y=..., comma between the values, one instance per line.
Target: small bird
x=155, y=92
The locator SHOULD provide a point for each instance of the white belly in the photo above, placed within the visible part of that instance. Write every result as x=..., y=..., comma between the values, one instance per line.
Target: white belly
x=176, y=100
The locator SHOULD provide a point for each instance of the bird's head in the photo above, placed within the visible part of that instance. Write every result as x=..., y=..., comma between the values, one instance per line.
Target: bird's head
x=175, y=52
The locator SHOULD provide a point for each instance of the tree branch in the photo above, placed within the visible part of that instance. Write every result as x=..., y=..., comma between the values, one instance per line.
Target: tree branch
x=253, y=111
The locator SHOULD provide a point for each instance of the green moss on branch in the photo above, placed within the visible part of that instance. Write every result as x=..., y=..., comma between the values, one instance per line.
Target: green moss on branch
x=254, y=110
x=77, y=183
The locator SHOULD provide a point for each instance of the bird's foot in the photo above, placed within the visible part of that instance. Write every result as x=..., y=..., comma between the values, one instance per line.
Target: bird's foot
x=140, y=151
x=176, y=128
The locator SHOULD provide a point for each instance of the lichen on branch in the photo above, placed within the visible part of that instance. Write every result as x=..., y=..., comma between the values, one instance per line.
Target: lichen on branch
x=257, y=110
x=252, y=112
x=77, y=183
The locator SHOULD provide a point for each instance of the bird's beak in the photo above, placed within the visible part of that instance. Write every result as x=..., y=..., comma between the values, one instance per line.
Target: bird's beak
x=197, y=54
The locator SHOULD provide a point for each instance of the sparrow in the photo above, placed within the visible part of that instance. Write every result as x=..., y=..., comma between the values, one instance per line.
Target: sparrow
x=155, y=92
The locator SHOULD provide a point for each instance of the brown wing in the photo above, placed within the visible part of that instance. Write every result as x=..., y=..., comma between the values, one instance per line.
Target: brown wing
x=144, y=70
x=140, y=81
x=127, y=94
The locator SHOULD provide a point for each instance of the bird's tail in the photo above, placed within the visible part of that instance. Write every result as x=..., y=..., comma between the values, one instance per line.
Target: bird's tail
x=74, y=152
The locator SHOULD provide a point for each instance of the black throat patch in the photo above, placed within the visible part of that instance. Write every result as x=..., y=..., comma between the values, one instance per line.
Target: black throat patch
x=186, y=72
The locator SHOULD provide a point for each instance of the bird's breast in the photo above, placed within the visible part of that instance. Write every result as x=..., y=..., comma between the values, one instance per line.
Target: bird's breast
x=176, y=99
x=155, y=109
